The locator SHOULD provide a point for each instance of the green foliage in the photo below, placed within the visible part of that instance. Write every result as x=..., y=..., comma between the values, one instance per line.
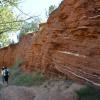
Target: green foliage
x=50, y=10
x=20, y=78
x=25, y=79
x=8, y=21
x=9, y=2
x=89, y=93
x=4, y=39
x=38, y=78
x=29, y=27
x=16, y=69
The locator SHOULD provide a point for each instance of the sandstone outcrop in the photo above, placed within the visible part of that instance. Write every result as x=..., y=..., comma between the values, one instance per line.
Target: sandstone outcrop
x=68, y=44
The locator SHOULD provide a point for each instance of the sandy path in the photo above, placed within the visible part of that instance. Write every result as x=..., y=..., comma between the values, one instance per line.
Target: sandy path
x=49, y=91
x=17, y=93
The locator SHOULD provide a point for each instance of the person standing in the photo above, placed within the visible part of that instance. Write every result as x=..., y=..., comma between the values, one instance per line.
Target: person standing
x=6, y=74
x=2, y=73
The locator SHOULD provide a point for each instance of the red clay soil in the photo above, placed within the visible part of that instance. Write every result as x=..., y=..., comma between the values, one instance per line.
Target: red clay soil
x=68, y=44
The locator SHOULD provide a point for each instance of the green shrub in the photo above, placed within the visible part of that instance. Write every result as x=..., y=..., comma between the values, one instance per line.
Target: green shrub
x=18, y=77
x=89, y=93
x=38, y=78
x=15, y=70
x=23, y=79
x=29, y=79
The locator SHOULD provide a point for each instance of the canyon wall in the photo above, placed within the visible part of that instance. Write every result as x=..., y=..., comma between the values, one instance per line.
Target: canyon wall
x=20, y=52
x=68, y=44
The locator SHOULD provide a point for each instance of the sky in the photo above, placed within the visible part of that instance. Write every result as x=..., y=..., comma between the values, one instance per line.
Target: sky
x=34, y=8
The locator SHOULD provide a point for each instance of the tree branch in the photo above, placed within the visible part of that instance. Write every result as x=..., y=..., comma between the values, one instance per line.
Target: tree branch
x=16, y=21
x=20, y=9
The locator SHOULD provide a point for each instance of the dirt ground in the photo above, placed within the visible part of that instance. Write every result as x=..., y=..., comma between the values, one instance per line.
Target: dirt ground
x=51, y=90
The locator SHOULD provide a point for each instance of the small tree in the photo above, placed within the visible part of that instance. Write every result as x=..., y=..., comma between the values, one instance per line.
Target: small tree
x=9, y=22
x=4, y=39
x=29, y=27
x=50, y=10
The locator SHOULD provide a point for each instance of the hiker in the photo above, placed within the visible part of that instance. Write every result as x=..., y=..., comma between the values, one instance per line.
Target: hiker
x=6, y=74
x=2, y=73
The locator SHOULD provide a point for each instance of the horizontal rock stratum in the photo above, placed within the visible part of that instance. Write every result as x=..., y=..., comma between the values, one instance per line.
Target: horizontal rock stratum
x=68, y=44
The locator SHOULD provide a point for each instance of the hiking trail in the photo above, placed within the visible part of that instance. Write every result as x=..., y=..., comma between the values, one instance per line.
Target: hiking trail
x=53, y=90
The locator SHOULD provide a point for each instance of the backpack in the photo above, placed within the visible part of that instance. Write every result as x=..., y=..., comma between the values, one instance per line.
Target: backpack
x=6, y=72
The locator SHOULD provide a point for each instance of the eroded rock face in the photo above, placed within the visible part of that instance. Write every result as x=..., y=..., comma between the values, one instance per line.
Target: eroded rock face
x=69, y=43
x=21, y=51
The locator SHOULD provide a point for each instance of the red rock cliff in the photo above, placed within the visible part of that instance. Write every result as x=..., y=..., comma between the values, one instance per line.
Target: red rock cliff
x=68, y=44
x=21, y=51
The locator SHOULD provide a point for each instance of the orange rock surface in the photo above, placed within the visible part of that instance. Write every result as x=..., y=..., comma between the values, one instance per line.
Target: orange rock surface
x=68, y=44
